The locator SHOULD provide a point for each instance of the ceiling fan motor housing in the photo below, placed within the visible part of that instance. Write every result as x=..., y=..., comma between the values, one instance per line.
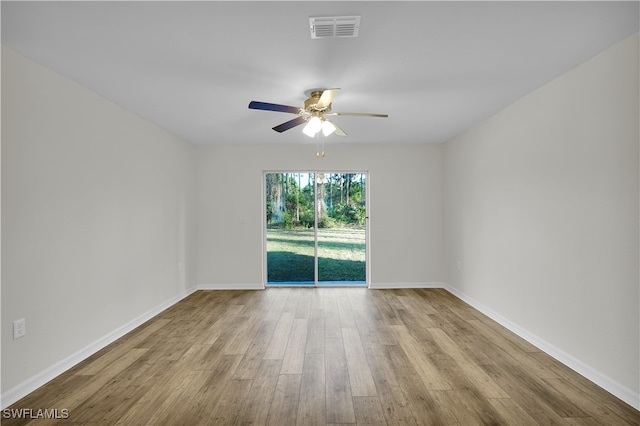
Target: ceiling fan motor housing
x=310, y=104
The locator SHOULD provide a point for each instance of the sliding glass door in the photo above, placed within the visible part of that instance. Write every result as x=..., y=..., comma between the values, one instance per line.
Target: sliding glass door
x=290, y=236
x=341, y=232
x=316, y=228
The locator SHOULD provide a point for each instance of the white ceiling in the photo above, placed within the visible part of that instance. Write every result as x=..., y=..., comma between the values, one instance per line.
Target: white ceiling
x=436, y=68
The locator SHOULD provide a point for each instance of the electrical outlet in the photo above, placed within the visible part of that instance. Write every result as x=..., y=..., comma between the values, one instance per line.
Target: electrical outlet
x=19, y=328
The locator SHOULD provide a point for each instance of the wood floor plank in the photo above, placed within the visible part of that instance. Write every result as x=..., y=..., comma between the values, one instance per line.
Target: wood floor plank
x=221, y=325
x=338, y=387
x=524, y=397
x=386, y=307
x=315, y=333
x=483, y=381
x=332, y=327
x=311, y=405
x=466, y=408
x=425, y=369
x=228, y=409
x=366, y=325
x=255, y=409
x=278, y=344
x=274, y=303
x=481, y=351
x=519, y=357
x=602, y=400
x=465, y=402
x=362, y=383
x=294, y=353
x=146, y=406
x=108, y=404
x=512, y=412
x=168, y=374
x=317, y=298
x=303, y=308
x=252, y=359
x=50, y=395
x=369, y=410
x=394, y=403
x=118, y=350
x=417, y=311
x=244, y=335
x=459, y=308
x=589, y=407
x=284, y=406
x=291, y=304
x=344, y=308
x=514, y=339
x=552, y=397
x=328, y=356
x=199, y=401
x=90, y=388
x=419, y=298
x=421, y=403
x=171, y=411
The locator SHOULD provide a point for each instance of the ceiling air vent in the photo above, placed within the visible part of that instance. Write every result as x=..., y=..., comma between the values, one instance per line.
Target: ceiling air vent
x=334, y=26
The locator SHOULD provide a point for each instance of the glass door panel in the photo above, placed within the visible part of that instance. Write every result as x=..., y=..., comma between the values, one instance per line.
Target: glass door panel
x=341, y=234
x=316, y=228
x=290, y=241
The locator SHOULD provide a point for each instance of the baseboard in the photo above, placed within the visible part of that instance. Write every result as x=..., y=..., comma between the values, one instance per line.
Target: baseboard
x=230, y=287
x=605, y=382
x=25, y=388
x=382, y=286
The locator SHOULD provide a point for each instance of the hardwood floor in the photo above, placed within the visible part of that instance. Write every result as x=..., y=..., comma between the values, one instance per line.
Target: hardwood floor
x=288, y=356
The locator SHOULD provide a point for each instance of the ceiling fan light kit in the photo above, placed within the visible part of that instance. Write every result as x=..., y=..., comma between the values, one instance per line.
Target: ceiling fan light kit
x=313, y=126
x=328, y=128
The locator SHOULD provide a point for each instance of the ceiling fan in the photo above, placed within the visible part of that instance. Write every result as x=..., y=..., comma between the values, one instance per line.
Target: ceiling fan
x=316, y=108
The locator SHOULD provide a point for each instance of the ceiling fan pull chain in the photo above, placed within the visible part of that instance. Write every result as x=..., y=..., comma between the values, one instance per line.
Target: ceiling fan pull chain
x=319, y=145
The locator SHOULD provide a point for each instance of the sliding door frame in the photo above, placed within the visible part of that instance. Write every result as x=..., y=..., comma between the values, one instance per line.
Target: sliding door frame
x=263, y=192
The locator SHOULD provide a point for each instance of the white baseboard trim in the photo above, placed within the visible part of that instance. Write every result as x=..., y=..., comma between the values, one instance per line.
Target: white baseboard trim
x=25, y=388
x=381, y=286
x=618, y=390
x=230, y=287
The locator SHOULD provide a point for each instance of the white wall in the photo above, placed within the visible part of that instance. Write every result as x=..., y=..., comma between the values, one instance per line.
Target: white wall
x=405, y=210
x=541, y=209
x=97, y=213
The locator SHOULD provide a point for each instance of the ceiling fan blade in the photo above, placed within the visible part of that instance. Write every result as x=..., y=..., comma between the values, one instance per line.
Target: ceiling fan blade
x=338, y=131
x=358, y=114
x=326, y=97
x=273, y=107
x=290, y=124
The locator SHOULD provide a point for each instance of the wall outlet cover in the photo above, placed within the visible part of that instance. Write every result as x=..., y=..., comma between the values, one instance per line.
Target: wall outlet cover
x=19, y=328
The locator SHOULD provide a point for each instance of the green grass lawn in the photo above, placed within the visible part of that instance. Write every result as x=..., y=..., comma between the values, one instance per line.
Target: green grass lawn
x=341, y=255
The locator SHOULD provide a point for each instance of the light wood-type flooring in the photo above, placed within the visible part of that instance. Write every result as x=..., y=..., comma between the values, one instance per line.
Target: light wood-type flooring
x=316, y=356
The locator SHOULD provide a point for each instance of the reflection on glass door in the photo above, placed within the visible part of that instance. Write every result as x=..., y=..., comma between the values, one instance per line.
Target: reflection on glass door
x=316, y=228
